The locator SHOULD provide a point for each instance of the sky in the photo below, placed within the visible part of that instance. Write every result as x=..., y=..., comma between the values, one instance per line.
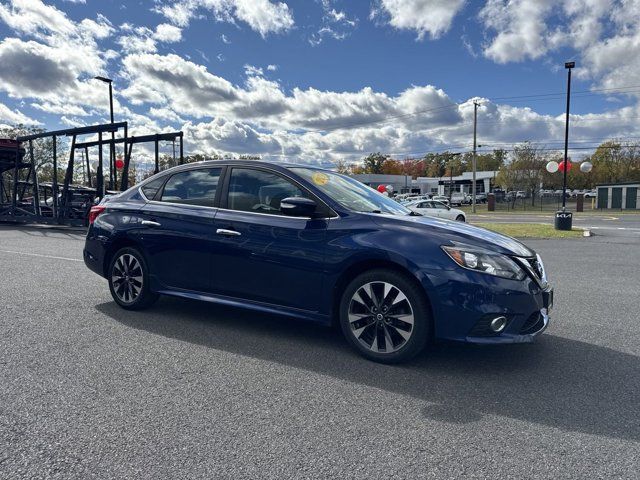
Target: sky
x=322, y=81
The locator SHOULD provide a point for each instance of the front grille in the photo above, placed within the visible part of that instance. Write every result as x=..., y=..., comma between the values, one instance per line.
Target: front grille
x=535, y=266
x=532, y=324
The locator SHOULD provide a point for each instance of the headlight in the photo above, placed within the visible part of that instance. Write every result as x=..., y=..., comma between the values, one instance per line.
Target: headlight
x=485, y=261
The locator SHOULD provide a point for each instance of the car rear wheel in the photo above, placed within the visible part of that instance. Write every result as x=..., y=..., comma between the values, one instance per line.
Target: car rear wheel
x=129, y=280
x=385, y=316
x=460, y=218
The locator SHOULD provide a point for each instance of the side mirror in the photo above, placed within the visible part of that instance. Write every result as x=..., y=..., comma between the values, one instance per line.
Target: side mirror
x=298, y=207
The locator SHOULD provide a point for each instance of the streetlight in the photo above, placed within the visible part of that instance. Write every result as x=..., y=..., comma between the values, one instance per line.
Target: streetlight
x=564, y=219
x=112, y=153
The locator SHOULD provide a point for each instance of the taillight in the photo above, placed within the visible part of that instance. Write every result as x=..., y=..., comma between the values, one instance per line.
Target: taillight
x=94, y=212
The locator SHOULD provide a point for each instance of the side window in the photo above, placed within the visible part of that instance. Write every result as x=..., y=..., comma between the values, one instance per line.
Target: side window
x=192, y=187
x=150, y=189
x=259, y=191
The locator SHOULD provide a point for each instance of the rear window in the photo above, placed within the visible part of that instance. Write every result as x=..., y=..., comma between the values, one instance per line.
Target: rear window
x=150, y=189
x=192, y=187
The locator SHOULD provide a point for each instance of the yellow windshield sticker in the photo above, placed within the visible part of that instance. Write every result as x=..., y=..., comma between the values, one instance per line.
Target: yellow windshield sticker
x=320, y=178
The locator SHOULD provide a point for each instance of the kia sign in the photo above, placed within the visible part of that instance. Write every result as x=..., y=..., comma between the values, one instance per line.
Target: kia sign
x=564, y=220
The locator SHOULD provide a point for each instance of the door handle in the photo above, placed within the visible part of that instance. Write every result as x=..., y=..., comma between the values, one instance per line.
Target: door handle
x=150, y=223
x=231, y=233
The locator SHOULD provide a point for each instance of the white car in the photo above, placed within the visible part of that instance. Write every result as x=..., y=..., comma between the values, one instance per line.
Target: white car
x=441, y=199
x=434, y=208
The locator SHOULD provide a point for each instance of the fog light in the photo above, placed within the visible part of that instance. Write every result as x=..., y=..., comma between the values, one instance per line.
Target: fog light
x=498, y=324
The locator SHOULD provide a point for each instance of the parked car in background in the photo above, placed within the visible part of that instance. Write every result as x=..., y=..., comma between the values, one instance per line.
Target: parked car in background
x=521, y=194
x=460, y=198
x=312, y=244
x=441, y=199
x=434, y=208
x=481, y=198
x=590, y=194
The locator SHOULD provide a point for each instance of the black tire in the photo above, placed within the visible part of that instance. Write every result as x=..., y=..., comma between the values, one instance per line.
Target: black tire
x=137, y=297
x=403, y=349
x=460, y=218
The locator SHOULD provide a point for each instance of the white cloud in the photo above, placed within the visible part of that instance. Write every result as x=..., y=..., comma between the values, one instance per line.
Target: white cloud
x=603, y=35
x=263, y=16
x=426, y=17
x=272, y=68
x=168, y=33
x=250, y=70
x=334, y=24
x=15, y=116
x=136, y=39
x=521, y=31
x=55, y=64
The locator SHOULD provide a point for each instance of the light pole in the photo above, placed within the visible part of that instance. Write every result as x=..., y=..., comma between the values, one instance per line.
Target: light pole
x=564, y=219
x=112, y=153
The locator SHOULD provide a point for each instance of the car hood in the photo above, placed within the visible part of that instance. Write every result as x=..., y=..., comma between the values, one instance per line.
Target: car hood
x=450, y=231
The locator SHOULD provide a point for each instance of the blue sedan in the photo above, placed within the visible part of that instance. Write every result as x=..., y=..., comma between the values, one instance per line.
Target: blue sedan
x=312, y=244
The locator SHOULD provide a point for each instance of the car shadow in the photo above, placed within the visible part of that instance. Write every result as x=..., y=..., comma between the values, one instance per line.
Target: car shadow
x=557, y=382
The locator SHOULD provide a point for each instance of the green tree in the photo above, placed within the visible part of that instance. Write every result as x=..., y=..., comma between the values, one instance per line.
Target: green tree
x=373, y=163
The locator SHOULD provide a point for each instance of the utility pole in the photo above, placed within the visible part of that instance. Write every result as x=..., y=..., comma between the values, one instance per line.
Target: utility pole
x=475, y=128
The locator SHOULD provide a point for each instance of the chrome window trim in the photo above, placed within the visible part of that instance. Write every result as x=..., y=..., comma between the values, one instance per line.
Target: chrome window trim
x=159, y=202
x=279, y=216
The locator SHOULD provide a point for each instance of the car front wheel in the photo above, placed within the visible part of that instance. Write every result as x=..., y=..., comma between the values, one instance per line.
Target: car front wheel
x=460, y=218
x=129, y=280
x=385, y=316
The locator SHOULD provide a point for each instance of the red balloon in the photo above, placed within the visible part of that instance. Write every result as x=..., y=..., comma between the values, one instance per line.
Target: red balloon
x=119, y=164
x=382, y=188
x=561, y=166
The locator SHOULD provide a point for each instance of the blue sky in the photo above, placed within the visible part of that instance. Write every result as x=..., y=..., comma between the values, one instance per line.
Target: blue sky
x=326, y=80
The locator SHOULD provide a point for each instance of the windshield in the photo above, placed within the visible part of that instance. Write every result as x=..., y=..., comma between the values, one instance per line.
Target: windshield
x=350, y=193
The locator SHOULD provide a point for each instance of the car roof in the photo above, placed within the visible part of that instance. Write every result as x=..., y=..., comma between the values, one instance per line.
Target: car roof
x=263, y=163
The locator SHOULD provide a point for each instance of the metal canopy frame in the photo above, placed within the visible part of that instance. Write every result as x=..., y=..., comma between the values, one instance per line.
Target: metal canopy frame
x=63, y=210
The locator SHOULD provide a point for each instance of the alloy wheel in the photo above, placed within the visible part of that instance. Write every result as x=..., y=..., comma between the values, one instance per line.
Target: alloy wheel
x=381, y=317
x=127, y=278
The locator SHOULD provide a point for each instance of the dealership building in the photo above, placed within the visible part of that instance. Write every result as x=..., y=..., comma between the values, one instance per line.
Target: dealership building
x=485, y=181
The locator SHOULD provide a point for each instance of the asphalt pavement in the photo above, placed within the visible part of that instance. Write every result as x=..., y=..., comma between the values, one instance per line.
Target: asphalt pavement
x=193, y=390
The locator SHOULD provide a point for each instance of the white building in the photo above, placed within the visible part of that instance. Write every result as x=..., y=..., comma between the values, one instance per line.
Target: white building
x=432, y=185
x=461, y=183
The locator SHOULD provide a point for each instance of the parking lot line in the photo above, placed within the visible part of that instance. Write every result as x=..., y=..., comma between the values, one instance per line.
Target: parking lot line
x=43, y=256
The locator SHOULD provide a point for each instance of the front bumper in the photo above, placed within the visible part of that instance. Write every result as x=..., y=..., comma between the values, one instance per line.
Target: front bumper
x=531, y=333
x=464, y=303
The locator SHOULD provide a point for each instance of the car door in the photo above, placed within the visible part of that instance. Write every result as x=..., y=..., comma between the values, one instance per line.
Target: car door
x=178, y=230
x=430, y=209
x=262, y=254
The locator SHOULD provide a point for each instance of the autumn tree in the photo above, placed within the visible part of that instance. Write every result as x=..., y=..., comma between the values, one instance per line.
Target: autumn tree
x=525, y=171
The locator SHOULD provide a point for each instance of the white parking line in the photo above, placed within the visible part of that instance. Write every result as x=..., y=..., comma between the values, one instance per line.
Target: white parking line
x=44, y=256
